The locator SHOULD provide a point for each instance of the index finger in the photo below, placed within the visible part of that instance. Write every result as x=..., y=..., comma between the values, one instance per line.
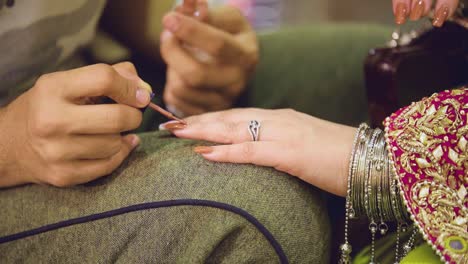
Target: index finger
x=229, y=18
x=105, y=119
x=401, y=10
x=269, y=154
x=443, y=10
x=419, y=8
x=214, y=41
x=188, y=7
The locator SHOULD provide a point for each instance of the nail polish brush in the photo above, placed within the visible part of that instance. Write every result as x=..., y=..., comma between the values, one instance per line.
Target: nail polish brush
x=164, y=112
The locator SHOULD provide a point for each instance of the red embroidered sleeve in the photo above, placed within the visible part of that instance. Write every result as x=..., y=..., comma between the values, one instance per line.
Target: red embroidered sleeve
x=428, y=146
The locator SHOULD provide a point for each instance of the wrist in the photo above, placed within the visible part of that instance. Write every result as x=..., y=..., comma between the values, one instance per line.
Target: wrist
x=3, y=149
x=9, y=174
x=372, y=186
x=349, y=135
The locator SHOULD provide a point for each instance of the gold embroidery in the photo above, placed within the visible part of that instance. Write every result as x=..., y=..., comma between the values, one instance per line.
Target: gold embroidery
x=423, y=132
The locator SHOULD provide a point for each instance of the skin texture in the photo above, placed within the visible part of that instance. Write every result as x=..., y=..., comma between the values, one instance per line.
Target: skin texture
x=416, y=9
x=309, y=148
x=54, y=134
x=210, y=57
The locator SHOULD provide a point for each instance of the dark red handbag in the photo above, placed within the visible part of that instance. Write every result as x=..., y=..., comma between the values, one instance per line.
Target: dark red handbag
x=434, y=61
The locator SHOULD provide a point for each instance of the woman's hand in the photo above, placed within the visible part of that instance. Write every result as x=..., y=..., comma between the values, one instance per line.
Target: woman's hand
x=51, y=134
x=210, y=57
x=416, y=9
x=314, y=150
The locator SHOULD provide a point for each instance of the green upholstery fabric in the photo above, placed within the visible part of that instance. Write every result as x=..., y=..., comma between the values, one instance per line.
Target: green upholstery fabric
x=313, y=69
x=318, y=70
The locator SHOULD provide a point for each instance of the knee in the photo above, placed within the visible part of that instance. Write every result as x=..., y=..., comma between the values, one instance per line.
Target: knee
x=293, y=212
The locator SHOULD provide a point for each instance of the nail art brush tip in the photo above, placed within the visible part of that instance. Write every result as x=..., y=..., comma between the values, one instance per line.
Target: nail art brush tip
x=166, y=113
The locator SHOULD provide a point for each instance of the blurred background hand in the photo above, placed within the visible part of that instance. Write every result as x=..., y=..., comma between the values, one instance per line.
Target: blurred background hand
x=416, y=9
x=210, y=58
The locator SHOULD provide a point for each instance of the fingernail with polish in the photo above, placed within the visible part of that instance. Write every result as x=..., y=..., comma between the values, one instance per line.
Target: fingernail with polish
x=203, y=150
x=171, y=22
x=401, y=12
x=172, y=125
x=418, y=10
x=143, y=96
x=440, y=16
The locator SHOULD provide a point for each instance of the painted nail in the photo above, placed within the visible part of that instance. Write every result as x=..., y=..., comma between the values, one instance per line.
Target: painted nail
x=401, y=12
x=203, y=150
x=172, y=125
x=418, y=10
x=162, y=127
x=171, y=22
x=440, y=16
x=143, y=96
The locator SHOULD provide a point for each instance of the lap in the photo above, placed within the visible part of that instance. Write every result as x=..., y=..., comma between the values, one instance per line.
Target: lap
x=168, y=204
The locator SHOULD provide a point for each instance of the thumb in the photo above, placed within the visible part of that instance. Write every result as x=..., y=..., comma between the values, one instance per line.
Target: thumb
x=128, y=71
x=129, y=92
x=104, y=80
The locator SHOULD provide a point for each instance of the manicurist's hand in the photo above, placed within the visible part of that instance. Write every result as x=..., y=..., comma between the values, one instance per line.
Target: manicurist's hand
x=312, y=149
x=210, y=57
x=52, y=135
x=416, y=9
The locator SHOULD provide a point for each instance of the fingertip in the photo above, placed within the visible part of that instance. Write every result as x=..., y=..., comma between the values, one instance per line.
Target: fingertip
x=135, y=141
x=171, y=21
x=203, y=150
x=401, y=12
x=146, y=86
x=179, y=9
x=442, y=13
x=210, y=155
x=165, y=36
x=143, y=97
x=190, y=4
x=132, y=140
x=418, y=9
x=172, y=126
